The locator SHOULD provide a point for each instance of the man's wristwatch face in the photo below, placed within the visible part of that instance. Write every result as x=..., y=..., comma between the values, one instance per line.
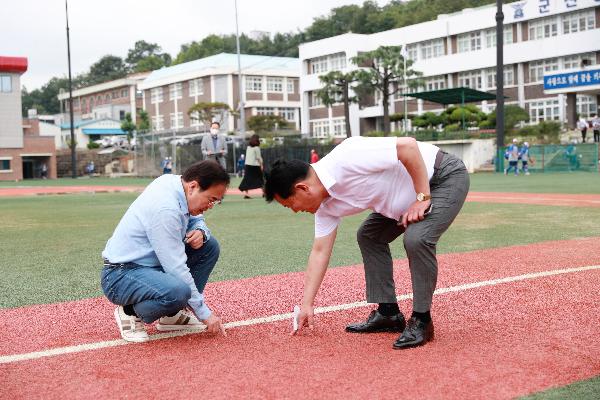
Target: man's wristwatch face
x=423, y=196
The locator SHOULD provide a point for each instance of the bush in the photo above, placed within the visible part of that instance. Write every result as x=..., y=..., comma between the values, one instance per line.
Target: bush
x=452, y=128
x=550, y=130
x=93, y=145
x=375, y=134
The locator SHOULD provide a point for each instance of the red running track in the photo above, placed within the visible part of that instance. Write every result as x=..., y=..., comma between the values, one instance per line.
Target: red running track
x=496, y=341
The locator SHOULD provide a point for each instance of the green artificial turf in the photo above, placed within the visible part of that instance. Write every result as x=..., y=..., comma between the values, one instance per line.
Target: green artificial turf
x=51, y=245
x=588, y=389
x=576, y=182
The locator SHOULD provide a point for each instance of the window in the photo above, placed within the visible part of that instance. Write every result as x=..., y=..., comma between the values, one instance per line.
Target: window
x=195, y=119
x=337, y=61
x=125, y=93
x=156, y=95
x=543, y=28
x=4, y=165
x=107, y=99
x=5, y=84
x=290, y=85
x=177, y=120
x=318, y=65
x=490, y=36
x=471, y=79
x=196, y=87
x=432, y=48
x=114, y=95
x=121, y=115
x=574, y=61
x=579, y=21
x=544, y=110
x=254, y=83
x=412, y=51
x=175, y=91
x=435, y=83
x=274, y=84
x=586, y=105
x=289, y=114
x=537, y=69
x=158, y=123
x=469, y=42
x=339, y=127
x=315, y=101
x=508, y=74
x=265, y=111
x=320, y=129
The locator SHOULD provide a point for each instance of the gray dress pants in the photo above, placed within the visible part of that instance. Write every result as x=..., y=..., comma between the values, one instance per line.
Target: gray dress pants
x=449, y=186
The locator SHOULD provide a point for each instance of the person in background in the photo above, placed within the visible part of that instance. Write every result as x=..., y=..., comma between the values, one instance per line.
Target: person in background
x=513, y=157
x=596, y=127
x=253, y=169
x=90, y=168
x=314, y=156
x=240, y=165
x=214, y=147
x=582, y=124
x=159, y=258
x=524, y=156
x=44, y=171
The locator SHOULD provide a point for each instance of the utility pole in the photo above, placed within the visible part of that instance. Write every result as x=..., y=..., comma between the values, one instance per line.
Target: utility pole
x=73, y=154
x=240, y=91
x=499, y=87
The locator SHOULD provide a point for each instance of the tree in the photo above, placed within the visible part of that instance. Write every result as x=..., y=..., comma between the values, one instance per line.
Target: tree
x=207, y=112
x=337, y=87
x=513, y=114
x=146, y=57
x=143, y=122
x=266, y=123
x=385, y=73
x=108, y=68
x=128, y=126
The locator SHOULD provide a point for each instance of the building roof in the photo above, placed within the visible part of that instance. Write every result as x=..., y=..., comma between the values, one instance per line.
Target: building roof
x=130, y=80
x=223, y=63
x=79, y=124
x=13, y=64
x=103, y=131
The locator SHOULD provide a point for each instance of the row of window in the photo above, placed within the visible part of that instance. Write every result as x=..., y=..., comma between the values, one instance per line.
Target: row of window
x=273, y=84
x=331, y=62
x=5, y=84
x=324, y=129
x=97, y=100
x=289, y=114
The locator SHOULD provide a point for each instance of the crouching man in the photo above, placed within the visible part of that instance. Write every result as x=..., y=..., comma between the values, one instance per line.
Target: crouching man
x=159, y=258
x=413, y=188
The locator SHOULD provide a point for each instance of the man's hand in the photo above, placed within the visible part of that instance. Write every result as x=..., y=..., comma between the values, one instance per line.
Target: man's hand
x=209, y=153
x=305, y=318
x=214, y=324
x=195, y=239
x=415, y=213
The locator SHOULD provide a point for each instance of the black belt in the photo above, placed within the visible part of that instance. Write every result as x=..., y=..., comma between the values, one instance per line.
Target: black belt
x=108, y=264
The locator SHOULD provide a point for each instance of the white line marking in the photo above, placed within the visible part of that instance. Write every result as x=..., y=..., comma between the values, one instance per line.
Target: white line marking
x=281, y=317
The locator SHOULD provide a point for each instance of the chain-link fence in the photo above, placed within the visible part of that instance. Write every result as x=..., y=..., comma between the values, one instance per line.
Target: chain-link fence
x=564, y=158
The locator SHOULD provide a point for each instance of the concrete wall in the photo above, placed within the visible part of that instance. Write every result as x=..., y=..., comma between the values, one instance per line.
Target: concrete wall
x=474, y=153
x=11, y=127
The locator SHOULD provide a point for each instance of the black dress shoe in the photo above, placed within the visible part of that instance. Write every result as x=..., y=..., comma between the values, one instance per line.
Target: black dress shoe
x=379, y=323
x=417, y=333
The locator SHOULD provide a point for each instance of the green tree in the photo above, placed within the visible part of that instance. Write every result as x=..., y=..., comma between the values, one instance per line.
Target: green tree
x=513, y=114
x=128, y=126
x=108, y=68
x=385, y=73
x=208, y=112
x=146, y=57
x=266, y=123
x=143, y=123
x=336, y=88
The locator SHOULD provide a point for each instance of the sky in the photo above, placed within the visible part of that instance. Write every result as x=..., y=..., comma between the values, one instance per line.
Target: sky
x=36, y=29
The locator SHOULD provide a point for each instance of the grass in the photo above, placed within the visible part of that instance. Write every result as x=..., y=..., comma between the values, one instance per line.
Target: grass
x=577, y=182
x=51, y=245
x=588, y=389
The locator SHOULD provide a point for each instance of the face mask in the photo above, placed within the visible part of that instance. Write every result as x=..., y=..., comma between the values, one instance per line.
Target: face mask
x=214, y=132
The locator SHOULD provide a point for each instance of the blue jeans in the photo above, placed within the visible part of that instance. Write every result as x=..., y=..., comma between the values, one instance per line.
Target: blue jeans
x=154, y=293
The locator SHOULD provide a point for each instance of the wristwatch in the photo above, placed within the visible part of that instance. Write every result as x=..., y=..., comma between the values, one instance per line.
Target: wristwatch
x=423, y=196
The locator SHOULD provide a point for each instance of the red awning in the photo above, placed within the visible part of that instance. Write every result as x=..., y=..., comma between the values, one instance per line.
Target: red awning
x=13, y=64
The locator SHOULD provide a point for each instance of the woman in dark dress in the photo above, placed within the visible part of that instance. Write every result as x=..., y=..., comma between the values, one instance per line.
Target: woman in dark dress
x=253, y=170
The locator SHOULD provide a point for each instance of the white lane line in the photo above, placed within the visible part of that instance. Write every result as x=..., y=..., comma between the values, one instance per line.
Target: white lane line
x=281, y=317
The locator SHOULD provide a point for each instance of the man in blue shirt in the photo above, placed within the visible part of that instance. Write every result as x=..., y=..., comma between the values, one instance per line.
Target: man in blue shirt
x=161, y=254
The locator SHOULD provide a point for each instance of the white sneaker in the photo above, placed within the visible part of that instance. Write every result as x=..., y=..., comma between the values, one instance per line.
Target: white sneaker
x=184, y=319
x=131, y=327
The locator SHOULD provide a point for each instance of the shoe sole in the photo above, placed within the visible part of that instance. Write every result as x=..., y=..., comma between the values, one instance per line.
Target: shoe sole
x=167, y=328
x=134, y=340
x=380, y=330
x=412, y=346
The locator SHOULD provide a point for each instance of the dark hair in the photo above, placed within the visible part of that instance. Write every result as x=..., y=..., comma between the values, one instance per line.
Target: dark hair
x=283, y=176
x=254, y=141
x=215, y=122
x=207, y=173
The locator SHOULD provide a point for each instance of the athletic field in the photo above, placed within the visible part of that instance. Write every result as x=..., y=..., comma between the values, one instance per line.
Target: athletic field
x=516, y=311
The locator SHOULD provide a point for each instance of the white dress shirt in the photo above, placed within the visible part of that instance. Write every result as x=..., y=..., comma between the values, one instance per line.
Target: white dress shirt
x=364, y=173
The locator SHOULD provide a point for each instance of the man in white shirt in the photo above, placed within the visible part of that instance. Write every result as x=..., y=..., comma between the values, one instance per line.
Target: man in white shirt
x=411, y=187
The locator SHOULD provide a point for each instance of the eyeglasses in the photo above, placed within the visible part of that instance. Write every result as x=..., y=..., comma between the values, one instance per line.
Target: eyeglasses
x=214, y=202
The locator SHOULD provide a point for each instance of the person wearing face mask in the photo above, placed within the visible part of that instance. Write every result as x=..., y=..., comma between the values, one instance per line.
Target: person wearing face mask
x=213, y=146
x=159, y=258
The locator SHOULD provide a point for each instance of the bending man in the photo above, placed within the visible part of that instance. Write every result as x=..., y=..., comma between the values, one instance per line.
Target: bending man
x=412, y=188
x=161, y=254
